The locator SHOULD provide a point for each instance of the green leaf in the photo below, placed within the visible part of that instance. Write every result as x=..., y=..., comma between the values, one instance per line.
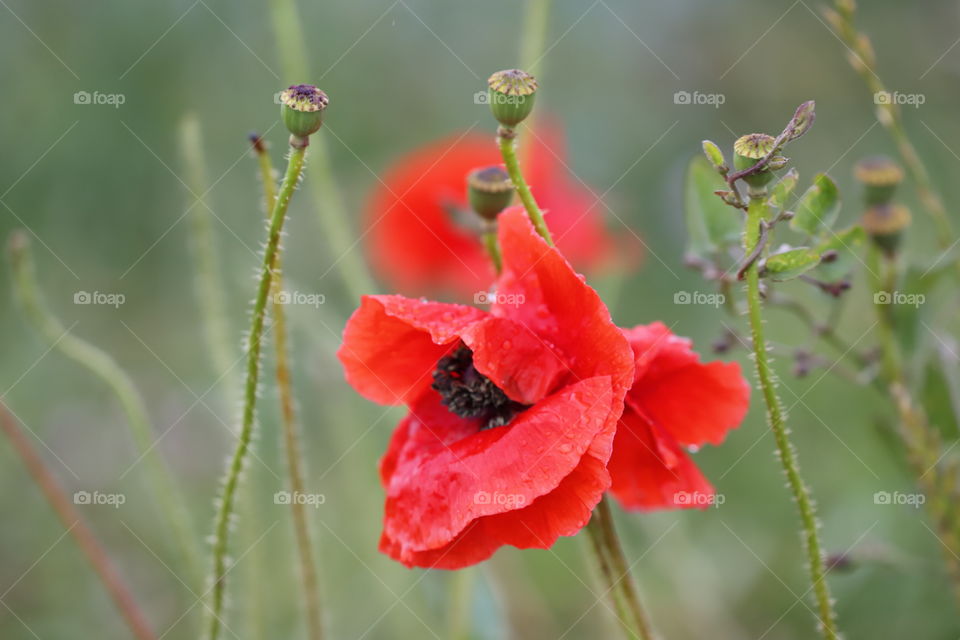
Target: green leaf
x=710, y=222
x=846, y=243
x=818, y=207
x=782, y=190
x=789, y=264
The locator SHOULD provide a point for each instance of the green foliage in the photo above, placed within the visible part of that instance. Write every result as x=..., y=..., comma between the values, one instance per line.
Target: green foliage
x=782, y=190
x=710, y=222
x=846, y=243
x=790, y=264
x=818, y=207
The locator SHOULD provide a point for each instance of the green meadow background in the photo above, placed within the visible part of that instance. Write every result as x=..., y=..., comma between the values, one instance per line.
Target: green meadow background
x=100, y=189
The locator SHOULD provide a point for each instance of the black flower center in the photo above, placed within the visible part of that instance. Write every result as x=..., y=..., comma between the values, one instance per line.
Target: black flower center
x=469, y=394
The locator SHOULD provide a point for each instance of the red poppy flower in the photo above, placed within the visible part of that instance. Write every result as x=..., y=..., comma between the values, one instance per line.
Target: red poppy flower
x=676, y=401
x=418, y=227
x=512, y=411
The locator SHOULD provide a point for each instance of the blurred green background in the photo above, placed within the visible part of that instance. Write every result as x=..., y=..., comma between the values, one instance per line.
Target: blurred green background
x=99, y=189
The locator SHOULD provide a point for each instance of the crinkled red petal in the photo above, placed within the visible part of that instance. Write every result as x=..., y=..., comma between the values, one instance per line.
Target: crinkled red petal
x=649, y=470
x=391, y=344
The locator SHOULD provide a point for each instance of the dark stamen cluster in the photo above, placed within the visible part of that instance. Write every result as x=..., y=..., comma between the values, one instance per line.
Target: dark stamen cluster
x=469, y=394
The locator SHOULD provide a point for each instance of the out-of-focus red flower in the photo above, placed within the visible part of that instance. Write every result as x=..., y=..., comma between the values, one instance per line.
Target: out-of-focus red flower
x=417, y=222
x=676, y=401
x=512, y=412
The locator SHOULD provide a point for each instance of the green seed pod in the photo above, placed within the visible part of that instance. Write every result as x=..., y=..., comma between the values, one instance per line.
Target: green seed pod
x=885, y=224
x=880, y=177
x=301, y=108
x=511, y=96
x=489, y=190
x=747, y=151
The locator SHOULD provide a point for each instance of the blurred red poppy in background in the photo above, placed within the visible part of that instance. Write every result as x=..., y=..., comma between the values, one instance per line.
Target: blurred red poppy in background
x=422, y=237
x=512, y=411
x=676, y=401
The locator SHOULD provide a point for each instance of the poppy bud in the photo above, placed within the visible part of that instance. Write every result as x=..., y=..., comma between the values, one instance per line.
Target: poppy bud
x=880, y=177
x=511, y=96
x=301, y=108
x=747, y=151
x=489, y=190
x=884, y=223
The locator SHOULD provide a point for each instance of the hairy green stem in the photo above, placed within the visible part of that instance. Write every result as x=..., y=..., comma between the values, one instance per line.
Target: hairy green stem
x=101, y=364
x=235, y=468
x=920, y=439
x=461, y=597
x=616, y=572
x=291, y=436
x=757, y=213
x=71, y=519
x=506, y=138
x=862, y=60
x=210, y=290
x=326, y=195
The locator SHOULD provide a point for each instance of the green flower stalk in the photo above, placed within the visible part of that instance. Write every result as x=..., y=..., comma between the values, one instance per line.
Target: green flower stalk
x=512, y=94
x=327, y=199
x=102, y=365
x=298, y=147
x=489, y=191
x=758, y=215
x=209, y=282
x=291, y=436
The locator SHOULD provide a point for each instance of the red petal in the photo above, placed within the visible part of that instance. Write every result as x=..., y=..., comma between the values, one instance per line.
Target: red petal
x=562, y=512
x=556, y=304
x=694, y=402
x=442, y=472
x=515, y=359
x=391, y=344
x=651, y=471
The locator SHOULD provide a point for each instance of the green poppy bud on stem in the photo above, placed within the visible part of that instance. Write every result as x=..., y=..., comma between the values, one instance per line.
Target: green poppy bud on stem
x=880, y=177
x=490, y=191
x=301, y=108
x=885, y=224
x=750, y=149
x=511, y=96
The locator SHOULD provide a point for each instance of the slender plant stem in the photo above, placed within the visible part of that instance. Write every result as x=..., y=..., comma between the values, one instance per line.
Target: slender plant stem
x=920, y=439
x=461, y=597
x=616, y=571
x=71, y=519
x=326, y=195
x=291, y=437
x=862, y=60
x=506, y=138
x=492, y=245
x=532, y=43
x=235, y=468
x=97, y=361
x=756, y=214
x=209, y=282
